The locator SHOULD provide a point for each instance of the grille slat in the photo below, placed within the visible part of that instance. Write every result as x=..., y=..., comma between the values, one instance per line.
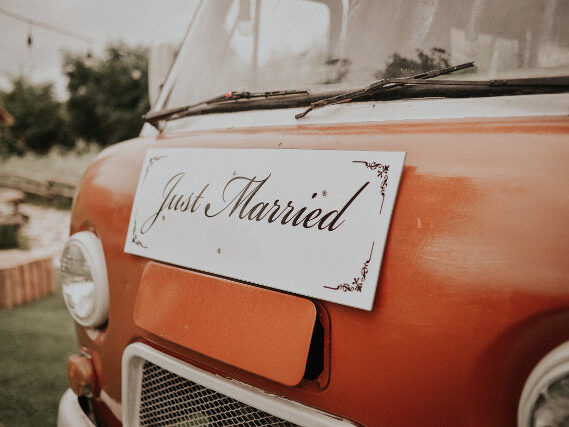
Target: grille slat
x=170, y=400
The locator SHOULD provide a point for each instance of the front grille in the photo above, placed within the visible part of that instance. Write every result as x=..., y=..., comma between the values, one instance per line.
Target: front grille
x=170, y=400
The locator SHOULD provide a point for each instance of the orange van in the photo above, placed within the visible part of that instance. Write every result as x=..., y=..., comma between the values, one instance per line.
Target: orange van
x=338, y=213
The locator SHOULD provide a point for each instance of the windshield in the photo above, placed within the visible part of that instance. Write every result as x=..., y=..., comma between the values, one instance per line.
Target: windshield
x=258, y=45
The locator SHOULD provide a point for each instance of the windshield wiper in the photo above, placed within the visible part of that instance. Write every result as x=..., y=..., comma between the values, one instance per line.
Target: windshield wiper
x=379, y=86
x=157, y=117
x=417, y=86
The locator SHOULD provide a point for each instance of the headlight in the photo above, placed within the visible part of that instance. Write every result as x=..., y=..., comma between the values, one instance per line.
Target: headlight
x=545, y=397
x=84, y=279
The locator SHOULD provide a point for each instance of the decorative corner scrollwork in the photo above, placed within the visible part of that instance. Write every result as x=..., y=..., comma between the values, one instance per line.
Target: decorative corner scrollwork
x=135, y=239
x=357, y=282
x=382, y=173
x=151, y=163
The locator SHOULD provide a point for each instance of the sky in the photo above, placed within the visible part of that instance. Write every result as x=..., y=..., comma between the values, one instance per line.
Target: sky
x=136, y=22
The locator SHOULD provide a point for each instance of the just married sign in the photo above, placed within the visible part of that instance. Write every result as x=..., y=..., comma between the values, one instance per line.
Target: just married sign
x=310, y=222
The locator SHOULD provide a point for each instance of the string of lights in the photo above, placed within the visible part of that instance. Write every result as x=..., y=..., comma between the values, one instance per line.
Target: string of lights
x=45, y=25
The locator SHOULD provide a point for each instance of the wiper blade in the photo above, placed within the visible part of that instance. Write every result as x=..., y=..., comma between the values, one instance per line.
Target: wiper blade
x=158, y=117
x=380, y=86
x=553, y=82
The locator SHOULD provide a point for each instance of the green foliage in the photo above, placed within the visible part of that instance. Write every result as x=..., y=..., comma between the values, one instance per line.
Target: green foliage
x=108, y=96
x=39, y=119
x=9, y=236
x=400, y=66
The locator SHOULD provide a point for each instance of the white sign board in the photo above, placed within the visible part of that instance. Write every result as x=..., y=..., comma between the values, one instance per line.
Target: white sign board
x=310, y=222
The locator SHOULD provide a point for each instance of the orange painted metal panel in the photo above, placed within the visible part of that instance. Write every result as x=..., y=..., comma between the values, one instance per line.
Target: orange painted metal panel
x=473, y=293
x=262, y=331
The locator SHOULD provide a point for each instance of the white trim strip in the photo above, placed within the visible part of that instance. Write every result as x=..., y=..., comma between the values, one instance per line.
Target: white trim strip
x=135, y=355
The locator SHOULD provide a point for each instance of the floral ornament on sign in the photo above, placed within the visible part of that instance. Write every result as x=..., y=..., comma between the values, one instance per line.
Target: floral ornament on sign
x=151, y=162
x=135, y=239
x=357, y=282
x=382, y=172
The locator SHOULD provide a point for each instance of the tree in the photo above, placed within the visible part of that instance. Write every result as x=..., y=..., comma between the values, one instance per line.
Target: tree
x=39, y=119
x=107, y=96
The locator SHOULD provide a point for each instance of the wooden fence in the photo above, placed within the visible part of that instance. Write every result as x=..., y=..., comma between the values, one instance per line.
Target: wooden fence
x=25, y=276
x=41, y=185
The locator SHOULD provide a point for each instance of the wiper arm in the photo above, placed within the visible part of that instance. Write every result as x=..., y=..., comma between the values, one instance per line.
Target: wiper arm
x=379, y=86
x=157, y=117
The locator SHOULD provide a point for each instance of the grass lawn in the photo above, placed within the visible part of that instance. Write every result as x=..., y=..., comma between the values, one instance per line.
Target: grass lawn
x=36, y=339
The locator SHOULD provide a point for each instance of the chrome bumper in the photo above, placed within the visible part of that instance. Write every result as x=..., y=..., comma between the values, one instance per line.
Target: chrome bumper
x=70, y=413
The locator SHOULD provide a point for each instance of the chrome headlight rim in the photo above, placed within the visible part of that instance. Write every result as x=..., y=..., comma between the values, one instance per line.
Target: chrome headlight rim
x=550, y=371
x=91, y=249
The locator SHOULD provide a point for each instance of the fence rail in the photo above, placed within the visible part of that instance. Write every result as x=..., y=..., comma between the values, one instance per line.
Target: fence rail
x=38, y=184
